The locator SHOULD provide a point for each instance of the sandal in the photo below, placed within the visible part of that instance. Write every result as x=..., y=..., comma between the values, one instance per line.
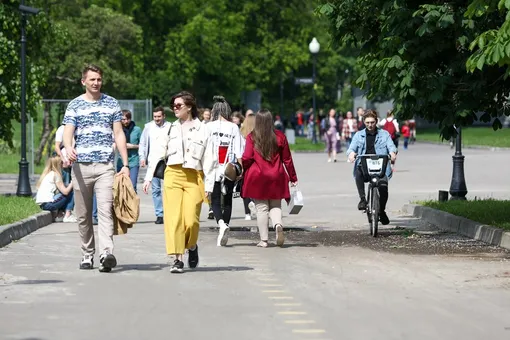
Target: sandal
x=262, y=244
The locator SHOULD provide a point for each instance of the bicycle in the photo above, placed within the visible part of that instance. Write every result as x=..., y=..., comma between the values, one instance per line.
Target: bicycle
x=373, y=168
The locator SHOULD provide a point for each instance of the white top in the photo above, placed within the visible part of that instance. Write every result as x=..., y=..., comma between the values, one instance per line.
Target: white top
x=225, y=135
x=391, y=119
x=149, y=133
x=48, y=188
x=59, y=135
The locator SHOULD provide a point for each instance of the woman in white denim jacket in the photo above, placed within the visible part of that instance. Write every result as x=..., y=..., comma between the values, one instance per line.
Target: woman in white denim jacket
x=187, y=145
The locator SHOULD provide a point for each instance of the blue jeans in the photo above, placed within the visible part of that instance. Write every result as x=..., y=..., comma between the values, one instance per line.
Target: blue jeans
x=94, y=206
x=60, y=202
x=133, y=174
x=156, y=197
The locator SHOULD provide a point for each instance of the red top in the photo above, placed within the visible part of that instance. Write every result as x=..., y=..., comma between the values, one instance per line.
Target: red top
x=406, y=132
x=265, y=180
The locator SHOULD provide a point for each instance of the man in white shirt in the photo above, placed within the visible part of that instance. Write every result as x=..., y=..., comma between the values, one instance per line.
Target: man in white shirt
x=150, y=130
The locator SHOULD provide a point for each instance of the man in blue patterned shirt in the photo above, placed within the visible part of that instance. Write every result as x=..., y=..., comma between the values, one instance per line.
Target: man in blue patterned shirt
x=91, y=118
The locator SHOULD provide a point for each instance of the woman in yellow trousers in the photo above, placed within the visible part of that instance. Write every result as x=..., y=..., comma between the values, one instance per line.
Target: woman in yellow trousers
x=187, y=149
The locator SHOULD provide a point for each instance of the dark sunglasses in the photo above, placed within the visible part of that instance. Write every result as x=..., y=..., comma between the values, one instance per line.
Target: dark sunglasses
x=178, y=106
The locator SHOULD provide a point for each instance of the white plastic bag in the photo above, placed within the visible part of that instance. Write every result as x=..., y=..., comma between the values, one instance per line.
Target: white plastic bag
x=296, y=202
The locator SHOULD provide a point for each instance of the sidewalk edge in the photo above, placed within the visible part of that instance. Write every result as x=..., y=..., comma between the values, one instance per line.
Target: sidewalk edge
x=460, y=225
x=15, y=231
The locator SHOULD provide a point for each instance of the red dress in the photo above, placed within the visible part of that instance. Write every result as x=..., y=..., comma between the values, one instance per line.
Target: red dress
x=268, y=180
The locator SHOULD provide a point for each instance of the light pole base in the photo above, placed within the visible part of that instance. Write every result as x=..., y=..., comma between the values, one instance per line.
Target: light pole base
x=24, y=188
x=458, y=189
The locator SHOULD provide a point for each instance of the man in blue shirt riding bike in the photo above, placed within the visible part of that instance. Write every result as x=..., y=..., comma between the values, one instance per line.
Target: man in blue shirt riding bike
x=372, y=140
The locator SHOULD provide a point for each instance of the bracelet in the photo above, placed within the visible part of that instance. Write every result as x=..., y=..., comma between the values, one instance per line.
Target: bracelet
x=125, y=166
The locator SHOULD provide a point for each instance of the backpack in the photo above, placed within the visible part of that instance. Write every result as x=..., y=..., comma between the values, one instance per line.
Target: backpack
x=390, y=127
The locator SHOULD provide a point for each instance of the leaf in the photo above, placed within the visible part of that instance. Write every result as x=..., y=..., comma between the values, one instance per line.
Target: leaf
x=480, y=62
x=497, y=124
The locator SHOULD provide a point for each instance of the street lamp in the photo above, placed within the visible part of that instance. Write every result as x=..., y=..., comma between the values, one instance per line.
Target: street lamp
x=314, y=47
x=23, y=180
x=458, y=188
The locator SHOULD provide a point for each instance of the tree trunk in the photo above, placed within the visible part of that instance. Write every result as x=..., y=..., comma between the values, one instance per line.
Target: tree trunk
x=46, y=134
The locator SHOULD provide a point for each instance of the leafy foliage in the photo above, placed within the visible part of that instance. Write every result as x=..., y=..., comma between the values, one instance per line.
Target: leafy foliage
x=417, y=53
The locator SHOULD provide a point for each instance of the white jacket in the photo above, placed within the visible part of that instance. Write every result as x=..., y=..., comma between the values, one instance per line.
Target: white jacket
x=146, y=139
x=198, y=155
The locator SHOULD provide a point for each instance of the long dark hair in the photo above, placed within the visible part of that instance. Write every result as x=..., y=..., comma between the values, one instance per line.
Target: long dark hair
x=189, y=100
x=263, y=135
x=221, y=108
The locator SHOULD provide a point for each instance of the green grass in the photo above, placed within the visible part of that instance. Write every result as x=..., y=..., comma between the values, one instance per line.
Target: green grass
x=484, y=136
x=16, y=208
x=9, y=164
x=489, y=211
x=305, y=144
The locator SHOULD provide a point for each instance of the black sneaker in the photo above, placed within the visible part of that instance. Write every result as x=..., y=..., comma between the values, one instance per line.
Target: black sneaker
x=87, y=262
x=159, y=220
x=193, y=257
x=362, y=205
x=383, y=217
x=177, y=267
x=211, y=215
x=107, y=262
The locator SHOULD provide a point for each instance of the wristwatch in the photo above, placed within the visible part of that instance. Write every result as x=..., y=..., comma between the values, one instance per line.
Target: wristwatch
x=126, y=166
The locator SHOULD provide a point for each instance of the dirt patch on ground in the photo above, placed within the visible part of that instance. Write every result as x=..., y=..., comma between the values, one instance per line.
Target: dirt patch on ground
x=397, y=240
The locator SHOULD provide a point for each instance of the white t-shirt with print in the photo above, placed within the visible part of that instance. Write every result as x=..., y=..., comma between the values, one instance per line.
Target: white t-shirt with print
x=48, y=188
x=226, y=139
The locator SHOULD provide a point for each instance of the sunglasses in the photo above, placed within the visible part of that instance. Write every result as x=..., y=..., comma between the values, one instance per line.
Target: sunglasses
x=178, y=106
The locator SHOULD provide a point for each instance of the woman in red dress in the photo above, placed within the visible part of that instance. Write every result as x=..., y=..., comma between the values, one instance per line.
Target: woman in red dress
x=268, y=169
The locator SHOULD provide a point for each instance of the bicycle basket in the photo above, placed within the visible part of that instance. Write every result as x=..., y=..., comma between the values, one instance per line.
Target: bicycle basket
x=374, y=165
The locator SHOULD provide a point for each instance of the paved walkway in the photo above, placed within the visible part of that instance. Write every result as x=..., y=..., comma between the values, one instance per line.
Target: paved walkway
x=333, y=284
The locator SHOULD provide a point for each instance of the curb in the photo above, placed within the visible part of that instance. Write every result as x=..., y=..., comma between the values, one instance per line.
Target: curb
x=17, y=230
x=460, y=225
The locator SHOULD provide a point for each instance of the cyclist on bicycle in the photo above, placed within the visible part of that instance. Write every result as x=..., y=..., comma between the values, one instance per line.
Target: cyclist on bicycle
x=372, y=140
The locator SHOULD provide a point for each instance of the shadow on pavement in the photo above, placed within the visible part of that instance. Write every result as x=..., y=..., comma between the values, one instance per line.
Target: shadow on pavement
x=141, y=267
x=36, y=282
x=220, y=269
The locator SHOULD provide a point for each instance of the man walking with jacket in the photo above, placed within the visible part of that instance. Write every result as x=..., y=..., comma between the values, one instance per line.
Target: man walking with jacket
x=94, y=119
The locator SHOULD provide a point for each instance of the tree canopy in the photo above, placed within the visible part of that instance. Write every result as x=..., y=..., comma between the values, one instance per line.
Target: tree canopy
x=152, y=49
x=443, y=61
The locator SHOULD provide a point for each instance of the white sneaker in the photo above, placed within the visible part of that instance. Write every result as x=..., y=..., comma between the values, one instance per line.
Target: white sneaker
x=247, y=217
x=223, y=234
x=279, y=235
x=253, y=210
x=70, y=219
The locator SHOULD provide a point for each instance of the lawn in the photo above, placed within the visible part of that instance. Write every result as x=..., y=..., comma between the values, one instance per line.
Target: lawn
x=305, y=144
x=16, y=208
x=484, y=136
x=489, y=211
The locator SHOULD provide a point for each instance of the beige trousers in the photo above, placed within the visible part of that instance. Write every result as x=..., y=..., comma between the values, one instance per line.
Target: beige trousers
x=87, y=179
x=265, y=209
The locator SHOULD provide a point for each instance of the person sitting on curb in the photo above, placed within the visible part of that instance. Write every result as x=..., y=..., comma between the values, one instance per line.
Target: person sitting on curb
x=52, y=194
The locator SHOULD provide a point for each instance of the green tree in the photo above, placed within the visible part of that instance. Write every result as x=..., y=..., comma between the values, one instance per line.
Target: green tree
x=416, y=53
x=10, y=75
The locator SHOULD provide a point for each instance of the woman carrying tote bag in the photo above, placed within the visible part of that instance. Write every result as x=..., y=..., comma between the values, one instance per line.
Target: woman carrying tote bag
x=268, y=169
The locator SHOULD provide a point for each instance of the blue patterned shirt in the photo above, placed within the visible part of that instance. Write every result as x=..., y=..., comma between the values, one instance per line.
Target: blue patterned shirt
x=93, y=122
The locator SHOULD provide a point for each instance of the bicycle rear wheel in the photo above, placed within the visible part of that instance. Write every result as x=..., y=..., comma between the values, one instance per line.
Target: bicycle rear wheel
x=374, y=212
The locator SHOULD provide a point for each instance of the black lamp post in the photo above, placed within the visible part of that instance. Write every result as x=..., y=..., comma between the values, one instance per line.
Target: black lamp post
x=458, y=188
x=314, y=47
x=23, y=179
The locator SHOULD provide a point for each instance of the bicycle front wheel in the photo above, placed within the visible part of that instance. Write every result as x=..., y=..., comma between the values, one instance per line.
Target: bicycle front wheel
x=374, y=212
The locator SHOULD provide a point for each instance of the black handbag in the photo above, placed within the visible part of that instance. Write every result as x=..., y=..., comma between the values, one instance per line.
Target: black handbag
x=159, y=171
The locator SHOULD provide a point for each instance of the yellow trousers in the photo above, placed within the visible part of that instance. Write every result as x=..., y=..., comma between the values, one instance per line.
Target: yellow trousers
x=183, y=195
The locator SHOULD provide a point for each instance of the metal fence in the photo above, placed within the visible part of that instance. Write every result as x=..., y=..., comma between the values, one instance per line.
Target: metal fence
x=141, y=113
